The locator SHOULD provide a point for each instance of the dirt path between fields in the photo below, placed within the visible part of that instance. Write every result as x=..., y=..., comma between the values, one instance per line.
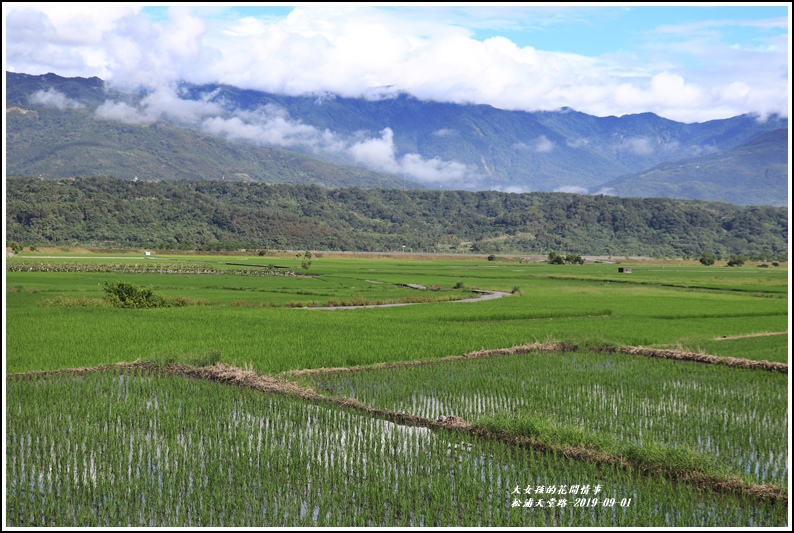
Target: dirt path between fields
x=556, y=347
x=764, y=334
x=484, y=295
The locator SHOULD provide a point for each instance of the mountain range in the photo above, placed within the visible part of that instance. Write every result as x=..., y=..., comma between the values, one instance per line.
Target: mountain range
x=757, y=170
x=60, y=127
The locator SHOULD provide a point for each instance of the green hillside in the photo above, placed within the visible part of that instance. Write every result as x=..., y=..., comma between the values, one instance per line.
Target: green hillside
x=755, y=173
x=54, y=143
x=207, y=214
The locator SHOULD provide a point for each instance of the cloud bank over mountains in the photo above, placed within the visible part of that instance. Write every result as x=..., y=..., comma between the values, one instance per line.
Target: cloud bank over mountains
x=271, y=125
x=685, y=72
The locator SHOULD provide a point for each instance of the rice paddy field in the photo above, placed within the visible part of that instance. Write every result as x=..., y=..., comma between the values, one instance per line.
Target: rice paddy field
x=656, y=442
x=732, y=414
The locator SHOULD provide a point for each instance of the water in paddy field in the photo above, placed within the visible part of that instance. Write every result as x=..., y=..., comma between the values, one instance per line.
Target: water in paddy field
x=724, y=419
x=133, y=452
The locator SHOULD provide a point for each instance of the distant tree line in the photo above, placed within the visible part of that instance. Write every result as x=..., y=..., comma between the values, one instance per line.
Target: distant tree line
x=222, y=215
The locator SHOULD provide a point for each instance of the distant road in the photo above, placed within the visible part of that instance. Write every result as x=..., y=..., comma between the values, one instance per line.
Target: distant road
x=484, y=295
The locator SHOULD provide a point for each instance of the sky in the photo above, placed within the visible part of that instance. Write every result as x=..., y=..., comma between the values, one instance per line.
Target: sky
x=686, y=63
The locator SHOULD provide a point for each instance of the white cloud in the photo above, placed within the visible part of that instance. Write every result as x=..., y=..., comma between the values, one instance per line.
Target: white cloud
x=571, y=189
x=577, y=143
x=162, y=103
x=511, y=189
x=540, y=145
x=444, y=132
x=435, y=170
x=54, y=98
x=636, y=145
x=543, y=145
x=122, y=112
x=684, y=72
x=377, y=153
x=271, y=126
x=166, y=103
x=71, y=24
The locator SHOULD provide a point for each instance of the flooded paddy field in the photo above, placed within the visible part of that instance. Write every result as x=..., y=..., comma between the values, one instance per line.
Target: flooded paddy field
x=739, y=416
x=125, y=449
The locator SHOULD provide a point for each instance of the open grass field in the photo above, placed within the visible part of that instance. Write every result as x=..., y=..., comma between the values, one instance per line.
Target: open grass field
x=272, y=460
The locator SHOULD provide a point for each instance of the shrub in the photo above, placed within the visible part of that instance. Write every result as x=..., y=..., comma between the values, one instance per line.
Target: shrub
x=492, y=257
x=130, y=296
x=459, y=285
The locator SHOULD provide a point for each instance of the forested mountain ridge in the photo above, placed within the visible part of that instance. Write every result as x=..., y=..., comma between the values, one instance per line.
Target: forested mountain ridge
x=543, y=149
x=60, y=143
x=731, y=176
x=207, y=214
x=79, y=126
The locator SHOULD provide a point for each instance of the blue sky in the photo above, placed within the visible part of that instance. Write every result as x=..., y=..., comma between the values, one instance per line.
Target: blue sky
x=578, y=30
x=686, y=63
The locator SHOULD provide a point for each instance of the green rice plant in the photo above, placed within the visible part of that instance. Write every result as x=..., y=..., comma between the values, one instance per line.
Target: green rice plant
x=132, y=449
x=647, y=457
x=728, y=413
x=572, y=310
x=758, y=348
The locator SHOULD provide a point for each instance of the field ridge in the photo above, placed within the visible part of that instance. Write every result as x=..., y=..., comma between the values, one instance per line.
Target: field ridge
x=248, y=378
x=557, y=347
x=762, y=334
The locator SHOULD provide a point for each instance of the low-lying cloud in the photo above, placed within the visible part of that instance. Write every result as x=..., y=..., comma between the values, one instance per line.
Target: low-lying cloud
x=636, y=145
x=54, y=98
x=572, y=189
x=271, y=125
x=122, y=112
x=164, y=103
x=540, y=145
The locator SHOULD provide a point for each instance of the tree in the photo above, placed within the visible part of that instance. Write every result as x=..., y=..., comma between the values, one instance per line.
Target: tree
x=555, y=259
x=707, y=258
x=574, y=259
x=735, y=262
x=15, y=247
x=307, y=260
